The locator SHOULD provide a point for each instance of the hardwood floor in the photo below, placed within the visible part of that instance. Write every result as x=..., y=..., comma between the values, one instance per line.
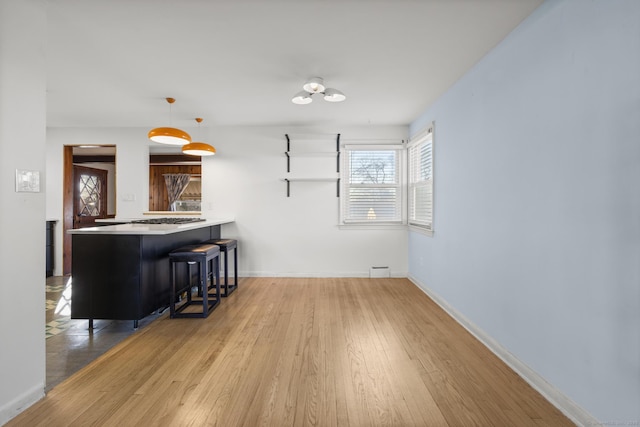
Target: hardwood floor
x=70, y=344
x=293, y=352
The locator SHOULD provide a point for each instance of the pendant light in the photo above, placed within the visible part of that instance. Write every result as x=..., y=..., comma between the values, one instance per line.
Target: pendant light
x=169, y=135
x=198, y=148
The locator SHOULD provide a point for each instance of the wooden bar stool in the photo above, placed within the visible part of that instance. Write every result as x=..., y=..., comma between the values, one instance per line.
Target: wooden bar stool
x=207, y=257
x=227, y=245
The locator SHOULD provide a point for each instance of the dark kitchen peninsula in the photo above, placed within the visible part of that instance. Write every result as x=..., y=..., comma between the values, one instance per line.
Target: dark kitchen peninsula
x=121, y=271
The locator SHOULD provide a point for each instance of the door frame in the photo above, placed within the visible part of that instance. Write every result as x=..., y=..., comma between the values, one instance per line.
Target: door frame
x=67, y=207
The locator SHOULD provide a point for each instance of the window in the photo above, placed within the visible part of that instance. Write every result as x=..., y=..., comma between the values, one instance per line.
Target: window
x=372, y=190
x=420, y=191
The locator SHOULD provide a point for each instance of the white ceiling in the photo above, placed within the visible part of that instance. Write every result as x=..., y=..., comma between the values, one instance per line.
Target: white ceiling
x=239, y=62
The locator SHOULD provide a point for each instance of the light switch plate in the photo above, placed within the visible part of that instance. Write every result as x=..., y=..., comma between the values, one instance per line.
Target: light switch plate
x=27, y=181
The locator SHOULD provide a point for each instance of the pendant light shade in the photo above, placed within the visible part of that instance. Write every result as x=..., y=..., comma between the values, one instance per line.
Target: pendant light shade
x=198, y=148
x=302, y=98
x=169, y=135
x=333, y=95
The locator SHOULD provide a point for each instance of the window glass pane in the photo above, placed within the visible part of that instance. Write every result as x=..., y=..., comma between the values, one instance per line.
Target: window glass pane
x=425, y=161
x=421, y=182
x=372, y=167
x=421, y=206
x=372, y=190
x=90, y=187
x=372, y=204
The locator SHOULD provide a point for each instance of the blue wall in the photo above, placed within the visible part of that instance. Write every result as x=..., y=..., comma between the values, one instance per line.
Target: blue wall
x=537, y=200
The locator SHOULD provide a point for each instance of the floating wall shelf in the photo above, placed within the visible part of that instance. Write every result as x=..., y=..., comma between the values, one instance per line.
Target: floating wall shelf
x=290, y=180
x=289, y=154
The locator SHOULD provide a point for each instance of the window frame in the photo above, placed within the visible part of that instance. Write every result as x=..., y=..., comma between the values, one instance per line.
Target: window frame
x=399, y=185
x=413, y=182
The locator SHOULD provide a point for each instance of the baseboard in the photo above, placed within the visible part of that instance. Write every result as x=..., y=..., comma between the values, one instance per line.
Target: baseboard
x=357, y=274
x=20, y=403
x=568, y=407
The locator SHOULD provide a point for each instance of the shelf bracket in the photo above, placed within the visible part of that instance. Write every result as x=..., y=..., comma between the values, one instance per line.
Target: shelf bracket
x=288, y=181
x=338, y=155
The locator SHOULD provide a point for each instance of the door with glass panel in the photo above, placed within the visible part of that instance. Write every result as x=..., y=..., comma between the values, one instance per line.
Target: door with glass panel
x=89, y=196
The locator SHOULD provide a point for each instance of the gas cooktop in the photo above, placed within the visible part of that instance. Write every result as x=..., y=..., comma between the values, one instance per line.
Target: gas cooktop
x=167, y=220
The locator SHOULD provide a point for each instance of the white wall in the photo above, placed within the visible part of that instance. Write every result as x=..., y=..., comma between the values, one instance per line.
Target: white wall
x=22, y=218
x=278, y=235
x=297, y=235
x=537, y=207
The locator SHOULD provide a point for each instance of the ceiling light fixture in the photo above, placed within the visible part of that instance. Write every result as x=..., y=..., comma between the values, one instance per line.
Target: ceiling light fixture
x=169, y=135
x=198, y=148
x=316, y=85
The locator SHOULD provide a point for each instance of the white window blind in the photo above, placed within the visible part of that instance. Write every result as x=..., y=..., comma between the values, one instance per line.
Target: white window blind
x=420, y=161
x=371, y=186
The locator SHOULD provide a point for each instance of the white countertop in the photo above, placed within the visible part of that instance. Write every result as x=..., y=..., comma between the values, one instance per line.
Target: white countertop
x=148, y=229
x=127, y=220
x=172, y=213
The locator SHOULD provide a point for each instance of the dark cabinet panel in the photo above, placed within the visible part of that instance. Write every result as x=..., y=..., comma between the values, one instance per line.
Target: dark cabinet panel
x=50, y=252
x=125, y=277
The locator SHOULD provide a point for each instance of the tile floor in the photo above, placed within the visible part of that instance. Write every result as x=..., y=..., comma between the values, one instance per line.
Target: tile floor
x=70, y=343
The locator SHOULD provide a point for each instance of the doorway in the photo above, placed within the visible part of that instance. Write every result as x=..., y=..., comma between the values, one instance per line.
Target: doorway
x=89, y=191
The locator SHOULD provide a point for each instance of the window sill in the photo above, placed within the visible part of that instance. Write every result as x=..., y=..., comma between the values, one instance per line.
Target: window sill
x=421, y=230
x=374, y=226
